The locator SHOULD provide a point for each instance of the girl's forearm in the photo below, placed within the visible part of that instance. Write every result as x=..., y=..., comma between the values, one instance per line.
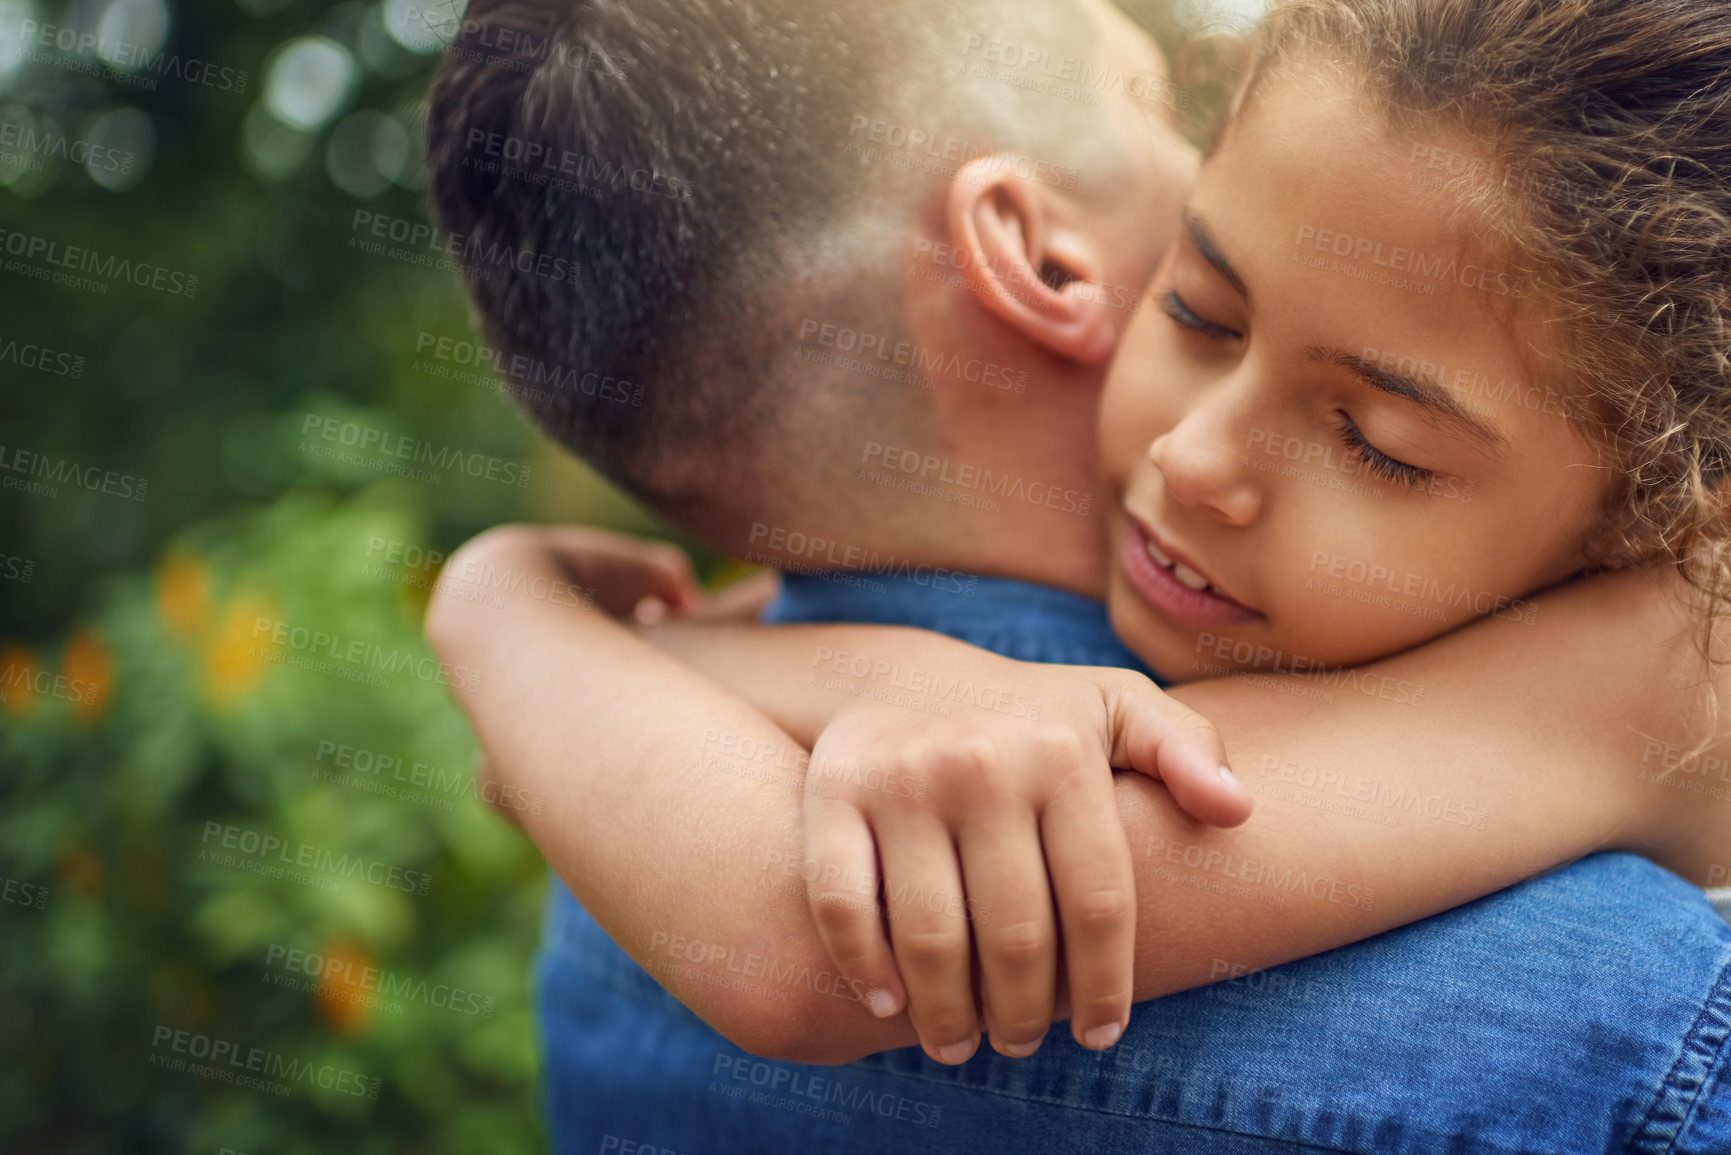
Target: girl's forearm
x=674, y=807
x=1384, y=794
x=1562, y=704
x=798, y=676
x=671, y=808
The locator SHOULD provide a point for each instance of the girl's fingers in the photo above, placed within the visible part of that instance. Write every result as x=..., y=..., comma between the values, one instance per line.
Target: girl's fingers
x=933, y=950
x=624, y=571
x=841, y=886
x=1158, y=735
x=1009, y=908
x=1093, y=878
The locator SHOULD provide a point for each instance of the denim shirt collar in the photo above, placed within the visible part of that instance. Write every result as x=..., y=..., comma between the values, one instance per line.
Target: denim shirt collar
x=1017, y=619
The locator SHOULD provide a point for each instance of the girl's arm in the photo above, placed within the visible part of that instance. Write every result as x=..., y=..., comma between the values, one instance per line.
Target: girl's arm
x=521, y=648
x=1593, y=707
x=662, y=830
x=1383, y=795
x=677, y=811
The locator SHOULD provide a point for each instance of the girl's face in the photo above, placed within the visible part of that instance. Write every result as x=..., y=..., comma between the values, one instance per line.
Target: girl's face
x=1323, y=428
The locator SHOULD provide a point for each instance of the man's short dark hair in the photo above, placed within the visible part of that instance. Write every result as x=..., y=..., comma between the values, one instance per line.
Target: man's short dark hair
x=641, y=189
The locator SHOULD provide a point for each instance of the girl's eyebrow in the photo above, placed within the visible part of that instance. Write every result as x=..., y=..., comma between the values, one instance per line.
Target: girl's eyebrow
x=1204, y=242
x=1419, y=389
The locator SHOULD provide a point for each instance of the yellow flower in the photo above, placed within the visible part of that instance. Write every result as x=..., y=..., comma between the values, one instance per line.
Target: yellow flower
x=344, y=998
x=183, y=593
x=234, y=659
x=91, y=672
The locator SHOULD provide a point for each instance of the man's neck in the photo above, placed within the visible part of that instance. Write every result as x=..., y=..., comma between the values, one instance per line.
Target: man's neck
x=1044, y=546
x=1010, y=483
x=990, y=467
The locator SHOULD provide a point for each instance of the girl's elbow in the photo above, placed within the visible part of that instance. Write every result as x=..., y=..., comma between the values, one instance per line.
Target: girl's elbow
x=791, y=1031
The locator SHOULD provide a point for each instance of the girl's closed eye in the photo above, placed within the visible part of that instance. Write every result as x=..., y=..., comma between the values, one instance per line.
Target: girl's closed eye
x=1374, y=459
x=1380, y=464
x=1176, y=308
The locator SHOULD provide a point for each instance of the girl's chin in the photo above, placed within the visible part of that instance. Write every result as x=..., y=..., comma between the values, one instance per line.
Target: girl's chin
x=1171, y=653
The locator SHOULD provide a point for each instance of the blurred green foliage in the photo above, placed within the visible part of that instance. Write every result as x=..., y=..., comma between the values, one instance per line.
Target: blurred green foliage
x=179, y=712
x=143, y=700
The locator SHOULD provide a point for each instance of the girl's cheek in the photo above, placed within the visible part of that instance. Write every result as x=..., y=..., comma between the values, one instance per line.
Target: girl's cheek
x=1131, y=419
x=1398, y=581
x=1337, y=562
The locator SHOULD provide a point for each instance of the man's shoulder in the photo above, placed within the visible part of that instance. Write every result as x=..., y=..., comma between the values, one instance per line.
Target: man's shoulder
x=1586, y=1009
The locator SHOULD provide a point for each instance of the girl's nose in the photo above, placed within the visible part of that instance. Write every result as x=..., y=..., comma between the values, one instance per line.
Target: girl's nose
x=1203, y=463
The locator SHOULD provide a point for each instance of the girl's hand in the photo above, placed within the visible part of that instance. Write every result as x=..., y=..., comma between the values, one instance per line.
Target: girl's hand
x=956, y=823
x=628, y=576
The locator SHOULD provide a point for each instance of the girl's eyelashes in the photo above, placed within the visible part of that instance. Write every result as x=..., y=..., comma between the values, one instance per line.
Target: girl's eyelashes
x=1373, y=459
x=1184, y=315
x=1369, y=456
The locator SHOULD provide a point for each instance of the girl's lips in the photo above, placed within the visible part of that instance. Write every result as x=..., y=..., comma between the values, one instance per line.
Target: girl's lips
x=1162, y=589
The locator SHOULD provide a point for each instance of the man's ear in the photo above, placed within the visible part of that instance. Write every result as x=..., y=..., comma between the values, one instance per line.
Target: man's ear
x=1034, y=272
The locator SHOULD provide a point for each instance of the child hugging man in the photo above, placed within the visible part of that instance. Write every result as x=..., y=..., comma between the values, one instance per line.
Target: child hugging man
x=819, y=241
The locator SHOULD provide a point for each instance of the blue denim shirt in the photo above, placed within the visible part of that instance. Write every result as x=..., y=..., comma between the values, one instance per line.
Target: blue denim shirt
x=1583, y=1011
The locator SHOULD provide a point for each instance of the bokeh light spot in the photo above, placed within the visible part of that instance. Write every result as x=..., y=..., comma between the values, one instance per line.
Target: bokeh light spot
x=309, y=82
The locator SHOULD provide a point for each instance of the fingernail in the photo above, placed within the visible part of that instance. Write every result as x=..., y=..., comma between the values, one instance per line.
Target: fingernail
x=881, y=1003
x=956, y=1053
x=1022, y=1050
x=651, y=611
x=1231, y=779
x=1100, y=1038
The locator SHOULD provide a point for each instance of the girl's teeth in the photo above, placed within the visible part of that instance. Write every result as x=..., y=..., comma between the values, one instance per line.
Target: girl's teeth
x=1189, y=577
x=1183, y=573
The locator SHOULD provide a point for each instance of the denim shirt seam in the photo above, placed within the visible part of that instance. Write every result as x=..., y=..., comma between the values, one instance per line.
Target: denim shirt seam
x=1068, y=1105
x=1674, y=1103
